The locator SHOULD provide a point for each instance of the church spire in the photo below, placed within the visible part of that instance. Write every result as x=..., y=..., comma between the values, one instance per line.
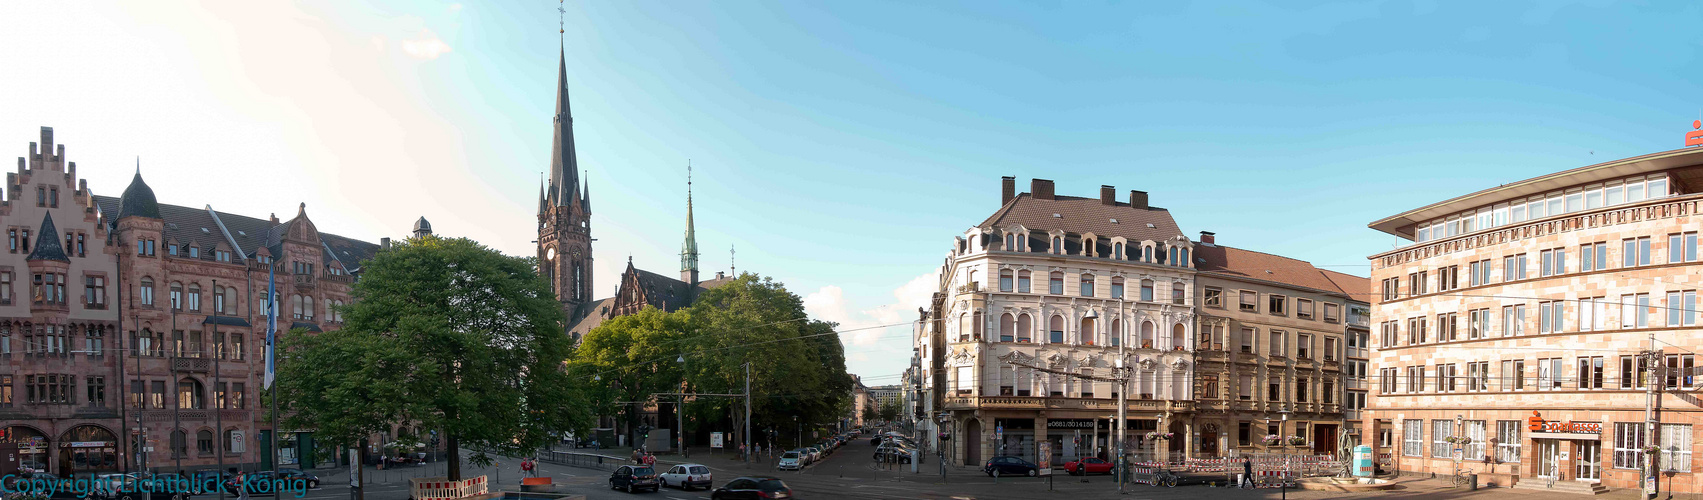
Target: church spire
x=689, y=249
x=564, y=164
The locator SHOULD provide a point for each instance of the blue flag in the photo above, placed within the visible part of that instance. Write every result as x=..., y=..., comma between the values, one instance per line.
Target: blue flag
x=271, y=324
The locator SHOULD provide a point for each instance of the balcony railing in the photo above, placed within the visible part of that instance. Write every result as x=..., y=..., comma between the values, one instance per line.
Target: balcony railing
x=191, y=364
x=1061, y=403
x=304, y=280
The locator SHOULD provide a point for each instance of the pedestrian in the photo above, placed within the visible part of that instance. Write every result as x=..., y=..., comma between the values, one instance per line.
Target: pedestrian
x=638, y=455
x=526, y=467
x=242, y=487
x=1247, y=473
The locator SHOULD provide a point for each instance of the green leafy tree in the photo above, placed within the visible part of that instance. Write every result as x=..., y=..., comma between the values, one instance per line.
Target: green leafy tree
x=870, y=413
x=890, y=410
x=442, y=334
x=630, y=358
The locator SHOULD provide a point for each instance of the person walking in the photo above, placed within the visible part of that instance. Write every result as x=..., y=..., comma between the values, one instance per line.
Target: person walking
x=242, y=486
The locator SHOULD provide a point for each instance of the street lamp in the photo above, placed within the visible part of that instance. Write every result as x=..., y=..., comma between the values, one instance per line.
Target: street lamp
x=940, y=448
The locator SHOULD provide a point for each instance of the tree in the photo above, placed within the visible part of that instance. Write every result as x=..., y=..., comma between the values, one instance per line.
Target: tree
x=870, y=413
x=629, y=358
x=890, y=410
x=442, y=334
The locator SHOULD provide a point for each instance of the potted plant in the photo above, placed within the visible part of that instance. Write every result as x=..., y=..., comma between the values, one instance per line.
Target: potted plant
x=1296, y=440
x=1272, y=439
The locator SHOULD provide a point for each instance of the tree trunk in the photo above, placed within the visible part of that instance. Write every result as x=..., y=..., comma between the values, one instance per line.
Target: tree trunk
x=454, y=446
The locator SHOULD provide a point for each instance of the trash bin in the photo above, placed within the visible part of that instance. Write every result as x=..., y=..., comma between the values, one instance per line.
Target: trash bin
x=1472, y=482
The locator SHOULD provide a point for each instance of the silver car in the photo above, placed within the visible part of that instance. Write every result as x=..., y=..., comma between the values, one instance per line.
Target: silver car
x=790, y=461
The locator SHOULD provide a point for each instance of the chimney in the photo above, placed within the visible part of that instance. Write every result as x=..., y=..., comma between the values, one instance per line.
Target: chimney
x=1041, y=189
x=1138, y=199
x=274, y=218
x=1007, y=189
x=720, y=275
x=384, y=243
x=1206, y=237
x=1108, y=195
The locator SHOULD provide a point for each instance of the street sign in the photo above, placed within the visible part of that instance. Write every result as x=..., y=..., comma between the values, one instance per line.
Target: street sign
x=1044, y=457
x=715, y=440
x=999, y=433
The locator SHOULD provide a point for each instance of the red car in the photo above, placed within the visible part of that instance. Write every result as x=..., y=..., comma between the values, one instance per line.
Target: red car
x=1088, y=465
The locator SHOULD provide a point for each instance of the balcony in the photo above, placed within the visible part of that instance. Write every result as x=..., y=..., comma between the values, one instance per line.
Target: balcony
x=339, y=278
x=1061, y=403
x=191, y=364
x=304, y=280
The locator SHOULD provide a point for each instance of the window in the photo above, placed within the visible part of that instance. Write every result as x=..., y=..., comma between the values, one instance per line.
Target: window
x=190, y=395
x=1301, y=393
x=1244, y=433
x=1023, y=281
x=1274, y=389
x=1550, y=371
x=1629, y=445
x=1446, y=327
x=177, y=296
x=1214, y=297
x=1392, y=288
x=1248, y=340
x=1055, y=283
x=1682, y=247
x=1416, y=331
x=195, y=297
x=1333, y=313
x=1474, y=450
x=1248, y=303
x=1513, y=320
x=1552, y=262
x=237, y=346
x=147, y=292
x=1676, y=447
x=1386, y=380
x=158, y=396
x=1478, y=324
x=1304, y=346
x=1590, y=374
x=1508, y=440
x=1682, y=308
x=1277, y=347
x=1633, y=370
x=1634, y=309
x=1209, y=387
x=1055, y=330
x=94, y=291
x=1416, y=283
x=1478, y=376
x=1147, y=290
x=1441, y=431
x=5, y=287
x=1478, y=273
x=237, y=393
x=1513, y=374
x=1412, y=437
x=1005, y=281
x=1593, y=256
x=1177, y=293
x=1448, y=278
x=12, y=240
x=1087, y=285
x=1117, y=287
x=1551, y=316
x=1387, y=334
x=1303, y=308
x=1514, y=267
x=1276, y=305
x=1446, y=377
x=1592, y=313
x=1330, y=349
x=1635, y=252
x=1245, y=388
x=1007, y=328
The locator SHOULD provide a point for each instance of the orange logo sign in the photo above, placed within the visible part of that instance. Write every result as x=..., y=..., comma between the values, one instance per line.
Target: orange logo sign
x=1695, y=137
x=1536, y=423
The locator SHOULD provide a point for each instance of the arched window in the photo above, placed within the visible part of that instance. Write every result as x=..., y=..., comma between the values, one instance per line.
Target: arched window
x=307, y=307
x=204, y=442
x=1007, y=328
x=1117, y=287
x=1055, y=283
x=1177, y=293
x=1055, y=330
x=179, y=445
x=1185, y=258
x=1024, y=328
x=1010, y=242
x=177, y=296
x=1173, y=256
x=1147, y=335
x=1087, y=334
x=1116, y=334
x=1023, y=281
x=190, y=395
x=1087, y=285
x=980, y=319
x=1147, y=290
x=964, y=327
x=1177, y=336
x=194, y=297
x=579, y=280
x=1005, y=280
x=1058, y=245
x=147, y=293
x=219, y=299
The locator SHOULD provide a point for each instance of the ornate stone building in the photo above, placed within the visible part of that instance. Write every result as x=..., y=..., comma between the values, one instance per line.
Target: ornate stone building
x=1072, y=284
x=149, y=321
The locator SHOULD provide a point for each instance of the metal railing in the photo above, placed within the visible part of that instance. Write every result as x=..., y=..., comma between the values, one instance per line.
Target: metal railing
x=583, y=460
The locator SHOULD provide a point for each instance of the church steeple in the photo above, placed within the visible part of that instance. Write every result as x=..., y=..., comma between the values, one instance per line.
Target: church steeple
x=564, y=162
x=689, y=249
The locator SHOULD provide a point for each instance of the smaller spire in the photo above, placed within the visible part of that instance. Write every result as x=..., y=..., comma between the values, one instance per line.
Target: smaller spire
x=47, y=245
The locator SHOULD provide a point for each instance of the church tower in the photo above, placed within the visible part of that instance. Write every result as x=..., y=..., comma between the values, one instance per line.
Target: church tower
x=564, y=211
x=689, y=249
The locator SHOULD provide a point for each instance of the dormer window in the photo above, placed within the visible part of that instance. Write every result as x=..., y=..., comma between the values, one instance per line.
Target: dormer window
x=171, y=249
x=1057, y=249
x=1010, y=242
x=194, y=252
x=1117, y=251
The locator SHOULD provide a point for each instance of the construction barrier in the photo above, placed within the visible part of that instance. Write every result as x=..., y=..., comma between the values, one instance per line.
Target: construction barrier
x=439, y=488
x=1144, y=475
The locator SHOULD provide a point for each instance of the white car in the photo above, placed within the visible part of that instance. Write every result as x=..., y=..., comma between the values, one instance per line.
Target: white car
x=688, y=476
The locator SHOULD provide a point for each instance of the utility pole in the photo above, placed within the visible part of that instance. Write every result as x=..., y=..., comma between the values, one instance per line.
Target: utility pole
x=219, y=405
x=1652, y=362
x=747, y=414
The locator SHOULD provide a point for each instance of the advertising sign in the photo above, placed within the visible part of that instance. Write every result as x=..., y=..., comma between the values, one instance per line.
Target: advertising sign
x=1044, y=457
x=998, y=433
x=1363, y=461
x=354, y=468
x=1694, y=137
x=715, y=440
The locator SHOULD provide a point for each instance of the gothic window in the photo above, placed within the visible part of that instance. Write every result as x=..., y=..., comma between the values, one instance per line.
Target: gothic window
x=579, y=281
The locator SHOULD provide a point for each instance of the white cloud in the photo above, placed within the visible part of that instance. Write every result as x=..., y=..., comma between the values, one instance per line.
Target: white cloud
x=454, y=8
x=829, y=304
x=428, y=46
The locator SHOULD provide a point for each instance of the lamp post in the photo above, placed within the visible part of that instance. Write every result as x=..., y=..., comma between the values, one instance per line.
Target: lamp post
x=940, y=450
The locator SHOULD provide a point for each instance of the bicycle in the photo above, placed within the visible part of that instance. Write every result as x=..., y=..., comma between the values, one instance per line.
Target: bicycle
x=1462, y=477
x=1165, y=478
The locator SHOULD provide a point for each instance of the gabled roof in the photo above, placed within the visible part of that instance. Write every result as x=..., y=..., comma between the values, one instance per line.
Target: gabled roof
x=196, y=226
x=1084, y=215
x=1357, y=288
x=1238, y=263
x=589, y=315
x=48, y=246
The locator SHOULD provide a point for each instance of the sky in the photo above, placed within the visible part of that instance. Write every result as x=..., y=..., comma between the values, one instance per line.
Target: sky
x=840, y=146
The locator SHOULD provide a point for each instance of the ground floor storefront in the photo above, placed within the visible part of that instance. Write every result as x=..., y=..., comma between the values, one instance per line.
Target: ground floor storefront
x=64, y=447
x=1509, y=446
x=1228, y=435
x=977, y=435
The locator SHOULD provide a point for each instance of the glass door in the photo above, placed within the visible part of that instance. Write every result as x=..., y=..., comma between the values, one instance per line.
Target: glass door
x=1548, y=457
x=1588, y=467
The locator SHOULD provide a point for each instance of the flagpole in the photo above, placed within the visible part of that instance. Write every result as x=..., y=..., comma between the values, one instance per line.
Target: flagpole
x=271, y=341
x=219, y=418
x=177, y=409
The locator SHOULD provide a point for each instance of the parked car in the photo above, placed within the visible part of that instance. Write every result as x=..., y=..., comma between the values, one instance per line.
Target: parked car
x=790, y=461
x=295, y=474
x=178, y=486
x=115, y=487
x=1011, y=466
x=630, y=478
x=1088, y=465
x=892, y=452
x=875, y=440
x=815, y=454
x=687, y=476
x=753, y=488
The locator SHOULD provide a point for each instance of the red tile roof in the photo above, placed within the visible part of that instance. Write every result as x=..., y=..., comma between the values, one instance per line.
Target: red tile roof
x=1236, y=262
x=1085, y=215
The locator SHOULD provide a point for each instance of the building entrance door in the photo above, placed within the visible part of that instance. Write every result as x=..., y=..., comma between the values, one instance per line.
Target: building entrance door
x=1208, y=444
x=1588, y=466
x=1548, y=457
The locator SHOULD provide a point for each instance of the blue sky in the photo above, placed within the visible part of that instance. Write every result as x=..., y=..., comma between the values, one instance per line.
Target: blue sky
x=840, y=145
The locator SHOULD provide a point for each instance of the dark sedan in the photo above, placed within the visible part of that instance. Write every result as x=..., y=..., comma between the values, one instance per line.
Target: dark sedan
x=631, y=478
x=753, y=488
x=1010, y=466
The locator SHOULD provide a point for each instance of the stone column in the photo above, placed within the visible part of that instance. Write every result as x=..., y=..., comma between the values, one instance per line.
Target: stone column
x=1188, y=438
x=1040, y=435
